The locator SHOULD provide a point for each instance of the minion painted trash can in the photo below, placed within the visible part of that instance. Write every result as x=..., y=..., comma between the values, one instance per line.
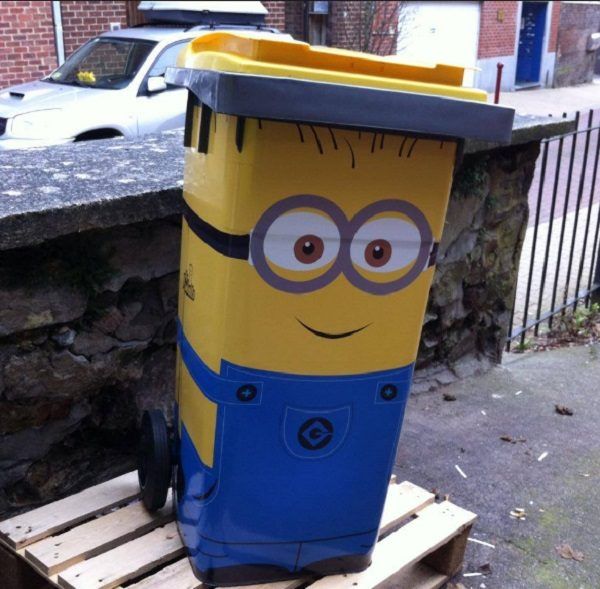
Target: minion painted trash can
x=316, y=185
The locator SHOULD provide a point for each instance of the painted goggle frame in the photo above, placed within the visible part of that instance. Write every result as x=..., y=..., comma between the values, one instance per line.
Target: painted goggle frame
x=252, y=247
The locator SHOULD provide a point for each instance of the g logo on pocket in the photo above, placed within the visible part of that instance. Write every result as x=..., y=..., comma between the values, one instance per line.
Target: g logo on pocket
x=315, y=433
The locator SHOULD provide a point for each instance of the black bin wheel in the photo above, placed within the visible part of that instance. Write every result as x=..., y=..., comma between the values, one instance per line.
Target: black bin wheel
x=154, y=468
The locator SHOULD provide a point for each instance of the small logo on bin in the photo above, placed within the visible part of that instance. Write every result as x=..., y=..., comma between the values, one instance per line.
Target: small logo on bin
x=315, y=433
x=246, y=392
x=188, y=285
x=388, y=392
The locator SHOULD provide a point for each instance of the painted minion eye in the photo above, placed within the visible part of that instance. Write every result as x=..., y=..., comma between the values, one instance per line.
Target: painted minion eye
x=309, y=249
x=302, y=241
x=385, y=245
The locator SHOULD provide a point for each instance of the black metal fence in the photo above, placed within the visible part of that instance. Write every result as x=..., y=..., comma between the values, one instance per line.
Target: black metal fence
x=559, y=267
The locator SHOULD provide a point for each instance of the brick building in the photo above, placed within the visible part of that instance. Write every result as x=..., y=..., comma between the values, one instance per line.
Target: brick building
x=520, y=35
x=35, y=36
x=576, y=56
x=28, y=33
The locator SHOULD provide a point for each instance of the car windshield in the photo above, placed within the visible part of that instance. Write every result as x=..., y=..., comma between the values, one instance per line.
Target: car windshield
x=104, y=62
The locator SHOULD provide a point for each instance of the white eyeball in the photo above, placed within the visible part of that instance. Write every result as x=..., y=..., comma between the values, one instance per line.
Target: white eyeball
x=302, y=241
x=385, y=245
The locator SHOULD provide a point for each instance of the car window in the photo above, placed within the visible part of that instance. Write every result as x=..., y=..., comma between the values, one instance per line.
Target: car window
x=104, y=63
x=167, y=59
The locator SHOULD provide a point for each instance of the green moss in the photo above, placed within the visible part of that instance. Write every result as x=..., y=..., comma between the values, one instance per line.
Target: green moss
x=471, y=178
x=78, y=261
x=549, y=575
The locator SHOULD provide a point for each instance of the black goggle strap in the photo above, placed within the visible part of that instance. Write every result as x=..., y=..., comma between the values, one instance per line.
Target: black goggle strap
x=232, y=246
x=238, y=246
x=192, y=102
x=203, y=124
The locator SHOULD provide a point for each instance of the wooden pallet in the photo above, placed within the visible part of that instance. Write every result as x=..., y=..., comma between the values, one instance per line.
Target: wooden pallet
x=103, y=538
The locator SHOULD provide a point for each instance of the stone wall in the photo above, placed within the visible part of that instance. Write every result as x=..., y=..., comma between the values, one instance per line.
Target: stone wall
x=473, y=289
x=575, y=64
x=87, y=331
x=87, y=319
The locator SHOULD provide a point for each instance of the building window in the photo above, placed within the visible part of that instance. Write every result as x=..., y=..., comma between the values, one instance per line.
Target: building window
x=317, y=22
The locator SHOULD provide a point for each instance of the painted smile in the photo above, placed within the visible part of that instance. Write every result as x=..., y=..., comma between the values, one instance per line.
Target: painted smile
x=331, y=335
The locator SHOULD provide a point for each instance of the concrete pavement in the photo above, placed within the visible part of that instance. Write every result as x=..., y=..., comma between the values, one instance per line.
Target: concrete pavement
x=554, y=473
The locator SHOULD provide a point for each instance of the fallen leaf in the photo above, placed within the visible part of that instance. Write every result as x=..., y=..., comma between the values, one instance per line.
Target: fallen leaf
x=567, y=552
x=512, y=440
x=455, y=586
x=449, y=397
x=486, y=568
x=563, y=409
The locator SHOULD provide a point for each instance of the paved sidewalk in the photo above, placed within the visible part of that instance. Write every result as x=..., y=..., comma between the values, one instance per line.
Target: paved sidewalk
x=553, y=101
x=560, y=492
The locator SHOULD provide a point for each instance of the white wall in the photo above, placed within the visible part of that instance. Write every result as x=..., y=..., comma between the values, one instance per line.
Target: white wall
x=485, y=78
x=441, y=32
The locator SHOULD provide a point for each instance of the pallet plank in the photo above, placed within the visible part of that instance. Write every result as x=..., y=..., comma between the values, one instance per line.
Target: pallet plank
x=55, y=554
x=292, y=584
x=435, y=525
x=119, y=547
x=402, y=501
x=125, y=562
x=178, y=575
x=25, y=529
x=417, y=576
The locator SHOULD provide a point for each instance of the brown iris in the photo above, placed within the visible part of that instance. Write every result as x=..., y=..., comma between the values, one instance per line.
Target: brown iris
x=308, y=249
x=378, y=253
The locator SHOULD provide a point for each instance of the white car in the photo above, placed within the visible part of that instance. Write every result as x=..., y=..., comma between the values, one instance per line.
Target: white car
x=111, y=86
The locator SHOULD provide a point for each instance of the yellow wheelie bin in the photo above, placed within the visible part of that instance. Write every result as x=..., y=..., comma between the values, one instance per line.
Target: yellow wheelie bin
x=316, y=186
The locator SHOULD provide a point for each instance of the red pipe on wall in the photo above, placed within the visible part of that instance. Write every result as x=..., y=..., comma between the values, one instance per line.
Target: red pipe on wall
x=499, y=67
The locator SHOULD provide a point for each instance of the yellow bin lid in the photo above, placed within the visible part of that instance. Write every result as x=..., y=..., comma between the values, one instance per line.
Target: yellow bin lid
x=264, y=76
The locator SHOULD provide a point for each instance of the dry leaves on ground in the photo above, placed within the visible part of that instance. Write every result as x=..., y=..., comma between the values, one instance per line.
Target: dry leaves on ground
x=486, y=568
x=512, y=440
x=563, y=409
x=567, y=552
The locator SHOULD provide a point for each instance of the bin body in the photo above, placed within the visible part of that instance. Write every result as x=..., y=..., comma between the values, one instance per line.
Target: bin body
x=307, y=255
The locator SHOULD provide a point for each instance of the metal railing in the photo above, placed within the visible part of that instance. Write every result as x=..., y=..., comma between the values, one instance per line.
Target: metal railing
x=559, y=267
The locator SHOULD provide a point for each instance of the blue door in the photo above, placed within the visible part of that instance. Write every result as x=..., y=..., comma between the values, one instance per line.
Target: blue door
x=531, y=40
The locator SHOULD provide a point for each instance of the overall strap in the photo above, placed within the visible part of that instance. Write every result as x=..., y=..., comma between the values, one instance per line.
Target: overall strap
x=216, y=388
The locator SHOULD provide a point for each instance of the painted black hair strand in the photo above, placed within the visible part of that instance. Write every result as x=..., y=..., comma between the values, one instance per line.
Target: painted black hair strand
x=335, y=145
x=352, y=152
x=411, y=148
x=317, y=140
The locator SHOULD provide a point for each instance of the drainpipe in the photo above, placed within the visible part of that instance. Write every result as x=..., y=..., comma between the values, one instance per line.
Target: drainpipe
x=59, y=42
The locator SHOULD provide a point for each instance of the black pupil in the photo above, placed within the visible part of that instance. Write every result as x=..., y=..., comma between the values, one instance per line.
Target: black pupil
x=308, y=248
x=378, y=252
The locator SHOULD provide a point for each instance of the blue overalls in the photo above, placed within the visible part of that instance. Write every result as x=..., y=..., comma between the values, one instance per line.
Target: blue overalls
x=301, y=469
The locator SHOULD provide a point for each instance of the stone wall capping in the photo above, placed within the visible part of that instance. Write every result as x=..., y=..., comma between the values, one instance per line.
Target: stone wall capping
x=55, y=191
x=526, y=129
